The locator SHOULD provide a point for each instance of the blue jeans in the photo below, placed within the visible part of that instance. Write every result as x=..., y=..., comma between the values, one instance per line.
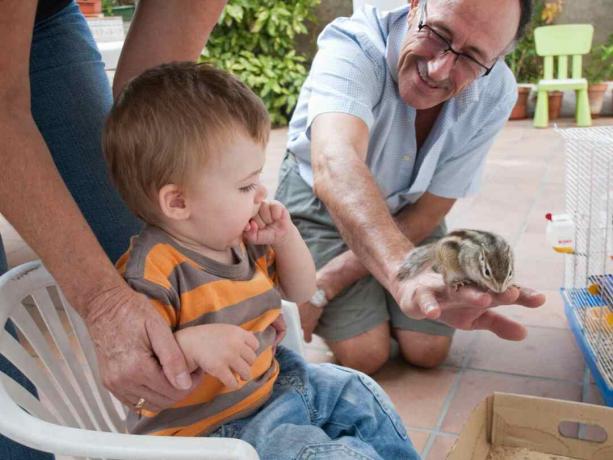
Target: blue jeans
x=70, y=97
x=323, y=412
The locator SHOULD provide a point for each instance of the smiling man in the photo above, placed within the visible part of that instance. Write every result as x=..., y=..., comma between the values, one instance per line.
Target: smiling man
x=392, y=127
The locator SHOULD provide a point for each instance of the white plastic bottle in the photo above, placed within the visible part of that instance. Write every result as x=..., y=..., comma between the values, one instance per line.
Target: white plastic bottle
x=561, y=233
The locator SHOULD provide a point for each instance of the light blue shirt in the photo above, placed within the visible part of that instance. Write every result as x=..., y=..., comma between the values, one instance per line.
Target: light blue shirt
x=355, y=72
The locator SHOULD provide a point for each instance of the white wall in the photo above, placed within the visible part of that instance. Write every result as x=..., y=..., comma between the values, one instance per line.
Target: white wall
x=381, y=4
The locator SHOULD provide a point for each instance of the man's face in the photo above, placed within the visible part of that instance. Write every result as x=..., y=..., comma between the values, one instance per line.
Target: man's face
x=481, y=29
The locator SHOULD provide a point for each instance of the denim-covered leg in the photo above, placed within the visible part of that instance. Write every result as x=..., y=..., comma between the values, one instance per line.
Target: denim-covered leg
x=350, y=403
x=324, y=412
x=71, y=97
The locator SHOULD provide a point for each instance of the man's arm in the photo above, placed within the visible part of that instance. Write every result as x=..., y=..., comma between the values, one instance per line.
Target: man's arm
x=344, y=183
x=164, y=31
x=131, y=339
x=416, y=221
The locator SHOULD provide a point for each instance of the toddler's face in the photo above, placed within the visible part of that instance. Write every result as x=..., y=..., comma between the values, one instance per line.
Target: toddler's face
x=228, y=192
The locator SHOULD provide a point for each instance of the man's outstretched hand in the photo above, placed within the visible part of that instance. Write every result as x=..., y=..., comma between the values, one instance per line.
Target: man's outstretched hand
x=468, y=308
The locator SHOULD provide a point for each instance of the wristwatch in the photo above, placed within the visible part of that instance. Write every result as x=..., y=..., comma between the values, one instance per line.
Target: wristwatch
x=319, y=299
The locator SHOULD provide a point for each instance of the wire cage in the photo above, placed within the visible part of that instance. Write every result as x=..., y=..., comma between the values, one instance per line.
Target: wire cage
x=588, y=281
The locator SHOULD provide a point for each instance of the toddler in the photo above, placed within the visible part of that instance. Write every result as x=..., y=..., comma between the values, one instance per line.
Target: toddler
x=185, y=144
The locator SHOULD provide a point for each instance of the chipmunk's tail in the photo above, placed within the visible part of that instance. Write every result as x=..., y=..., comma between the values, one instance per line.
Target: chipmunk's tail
x=417, y=261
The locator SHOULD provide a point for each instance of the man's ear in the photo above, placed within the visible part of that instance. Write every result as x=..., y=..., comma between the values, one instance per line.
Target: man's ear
x=173, y=203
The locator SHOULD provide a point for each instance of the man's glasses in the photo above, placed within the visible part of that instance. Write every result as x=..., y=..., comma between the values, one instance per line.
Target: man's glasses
x=435, y=44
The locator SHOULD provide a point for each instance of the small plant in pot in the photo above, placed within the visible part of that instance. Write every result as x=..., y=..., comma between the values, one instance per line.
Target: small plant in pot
x=523, y=61
x=598, y=72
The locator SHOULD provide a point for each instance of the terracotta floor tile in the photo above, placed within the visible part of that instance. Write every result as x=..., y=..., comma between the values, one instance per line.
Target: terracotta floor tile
x=548, y=353
x=551, y=314
x=417, y=394
x=419, y=439
x=593, y=395
x=441, y=447
x=477, y=385
x=536, y=264
x=463, y=344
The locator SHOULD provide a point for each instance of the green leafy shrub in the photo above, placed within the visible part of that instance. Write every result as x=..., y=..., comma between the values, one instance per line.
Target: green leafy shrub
x=255, y=40
x=600, y=67
x=523, y=61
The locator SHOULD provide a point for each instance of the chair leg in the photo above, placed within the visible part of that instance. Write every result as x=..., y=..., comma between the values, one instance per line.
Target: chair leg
x=541, y=114
x=582, y=109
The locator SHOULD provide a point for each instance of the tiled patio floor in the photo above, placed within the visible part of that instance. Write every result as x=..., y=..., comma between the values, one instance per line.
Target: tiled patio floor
x=523, y=180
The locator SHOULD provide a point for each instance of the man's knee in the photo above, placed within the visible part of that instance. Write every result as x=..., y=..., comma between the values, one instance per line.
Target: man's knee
x=367, y=352
x=423, y=350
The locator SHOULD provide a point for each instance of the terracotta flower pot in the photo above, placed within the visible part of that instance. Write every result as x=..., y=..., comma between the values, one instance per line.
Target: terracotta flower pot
x=595, y=93
x=90, y=8
x=555, y=104
x=520, y=110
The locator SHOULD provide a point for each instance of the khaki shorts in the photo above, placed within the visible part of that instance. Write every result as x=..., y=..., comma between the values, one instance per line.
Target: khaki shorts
x=364, y=305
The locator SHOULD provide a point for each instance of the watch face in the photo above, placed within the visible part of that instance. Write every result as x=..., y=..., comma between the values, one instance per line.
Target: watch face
x=319, y=299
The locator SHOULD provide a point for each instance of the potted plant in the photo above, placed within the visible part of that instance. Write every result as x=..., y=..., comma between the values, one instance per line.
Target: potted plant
x=123, y=8
x=554, y=104
x=599, y=70
x=523, y=61
x=90, y=8
x=520, y=109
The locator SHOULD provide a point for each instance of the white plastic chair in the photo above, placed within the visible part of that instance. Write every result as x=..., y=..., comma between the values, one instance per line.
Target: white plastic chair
x=77, y=416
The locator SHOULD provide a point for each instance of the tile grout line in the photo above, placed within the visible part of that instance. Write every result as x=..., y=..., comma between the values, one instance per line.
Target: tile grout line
x=513, y=374
x=584, y=393
x=448, y=399
x=586, y=384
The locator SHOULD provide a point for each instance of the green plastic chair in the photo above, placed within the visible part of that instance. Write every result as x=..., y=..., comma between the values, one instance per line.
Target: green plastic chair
x=562, y=41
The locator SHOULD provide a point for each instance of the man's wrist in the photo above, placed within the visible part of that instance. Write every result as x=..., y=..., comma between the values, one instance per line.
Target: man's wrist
x=319, y=299
x=99, y=301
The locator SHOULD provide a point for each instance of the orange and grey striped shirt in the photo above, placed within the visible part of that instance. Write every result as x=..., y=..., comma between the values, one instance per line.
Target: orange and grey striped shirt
x=189, y=289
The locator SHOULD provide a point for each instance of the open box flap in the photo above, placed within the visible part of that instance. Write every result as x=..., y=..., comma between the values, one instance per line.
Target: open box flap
x=530, y=422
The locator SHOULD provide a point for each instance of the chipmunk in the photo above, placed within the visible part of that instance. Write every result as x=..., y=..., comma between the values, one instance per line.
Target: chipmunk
x=465, y=257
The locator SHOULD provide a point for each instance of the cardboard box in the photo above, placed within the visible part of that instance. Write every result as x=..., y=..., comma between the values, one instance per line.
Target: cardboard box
x=516, y=427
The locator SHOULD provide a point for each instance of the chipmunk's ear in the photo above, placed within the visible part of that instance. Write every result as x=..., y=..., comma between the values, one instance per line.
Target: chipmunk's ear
x=172, y=202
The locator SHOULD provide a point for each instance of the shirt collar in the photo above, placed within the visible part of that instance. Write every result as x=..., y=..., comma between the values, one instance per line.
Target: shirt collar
x=397, y=32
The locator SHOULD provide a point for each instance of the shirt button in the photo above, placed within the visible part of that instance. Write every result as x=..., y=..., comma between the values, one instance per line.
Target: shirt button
x=407, y=157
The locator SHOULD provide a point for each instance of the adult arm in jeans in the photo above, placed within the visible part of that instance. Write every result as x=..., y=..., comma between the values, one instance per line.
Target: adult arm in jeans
x=137, y=354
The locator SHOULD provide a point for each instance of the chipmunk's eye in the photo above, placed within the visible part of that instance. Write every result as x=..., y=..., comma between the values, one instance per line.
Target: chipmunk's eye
x=487, y=273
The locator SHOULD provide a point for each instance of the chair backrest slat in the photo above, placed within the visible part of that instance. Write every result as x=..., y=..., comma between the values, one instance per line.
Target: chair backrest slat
x=25, y=399
x=32, y=333
x=562, y=67
x=577, y=63
x=548, y=67
x=21, y=359
x=114, y=411
x=49, y=312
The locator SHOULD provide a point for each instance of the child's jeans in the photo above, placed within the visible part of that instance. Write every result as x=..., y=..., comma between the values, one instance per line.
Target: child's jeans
x=323, y=411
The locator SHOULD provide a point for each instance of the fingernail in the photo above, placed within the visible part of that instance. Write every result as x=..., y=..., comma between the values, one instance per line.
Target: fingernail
x=183, y=381
x=430, y=308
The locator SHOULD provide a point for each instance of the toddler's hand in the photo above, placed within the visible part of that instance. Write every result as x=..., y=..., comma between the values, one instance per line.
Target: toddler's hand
x=221, y=350
x=269, y=226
